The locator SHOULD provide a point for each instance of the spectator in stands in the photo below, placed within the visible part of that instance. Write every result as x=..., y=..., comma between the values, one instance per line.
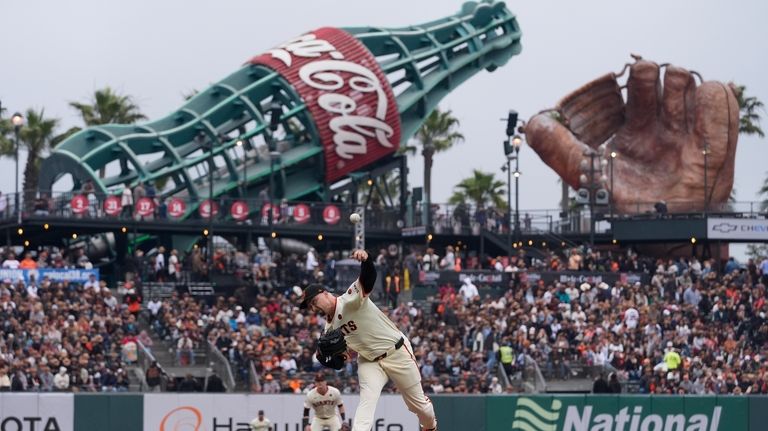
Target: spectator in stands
x=160, y=268
x=215, y=384
x=133, y=301
x=5, y=380
x=10, y=261
x=153, y=376
x=126, y=200
x=600, y=386
x=312, y=264
x=92, y=283
x=430, y=260
x=270, y=385
x=495, y=387
x=189, y=384
x=174, y=266
x=448, y=262
x=46, y=378
x=61, y=380
x=468, y=290
x=575, y=260
x=614, y=386
x=185, y=353
x=28, y=262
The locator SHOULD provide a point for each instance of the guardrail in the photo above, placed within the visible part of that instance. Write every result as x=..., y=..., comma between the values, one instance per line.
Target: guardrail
x=533, y=377
x=460, y=219
x=220, y=365
x=146, y=358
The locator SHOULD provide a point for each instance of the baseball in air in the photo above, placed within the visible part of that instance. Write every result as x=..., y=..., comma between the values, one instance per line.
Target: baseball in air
x=354, y=218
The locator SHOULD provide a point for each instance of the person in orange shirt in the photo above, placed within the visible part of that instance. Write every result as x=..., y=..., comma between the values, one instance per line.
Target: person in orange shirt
x=28, y=262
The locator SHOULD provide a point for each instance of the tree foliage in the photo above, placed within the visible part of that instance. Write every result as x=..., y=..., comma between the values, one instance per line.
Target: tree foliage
x=482, y=189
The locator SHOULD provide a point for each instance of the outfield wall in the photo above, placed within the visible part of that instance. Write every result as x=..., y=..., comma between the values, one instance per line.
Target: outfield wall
x=232, y=412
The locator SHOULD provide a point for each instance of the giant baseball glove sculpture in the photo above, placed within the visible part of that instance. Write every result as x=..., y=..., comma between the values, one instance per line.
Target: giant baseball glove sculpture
x=660, y=136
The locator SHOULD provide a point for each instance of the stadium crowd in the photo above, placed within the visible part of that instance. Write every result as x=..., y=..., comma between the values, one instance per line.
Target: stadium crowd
x=60, y=336
x=695, y=327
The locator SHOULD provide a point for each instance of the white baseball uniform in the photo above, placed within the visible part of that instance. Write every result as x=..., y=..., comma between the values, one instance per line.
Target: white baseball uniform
x=325, y=408
x=383, y=353
x=261, y=425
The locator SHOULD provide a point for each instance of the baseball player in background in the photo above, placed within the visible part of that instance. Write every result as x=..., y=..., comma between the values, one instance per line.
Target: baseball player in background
x=383, y=351
x=323, y=399
x=261, y=423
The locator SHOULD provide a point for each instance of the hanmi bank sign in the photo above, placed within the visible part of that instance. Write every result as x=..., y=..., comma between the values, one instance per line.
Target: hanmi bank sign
x=234, y=412
x=737, y=229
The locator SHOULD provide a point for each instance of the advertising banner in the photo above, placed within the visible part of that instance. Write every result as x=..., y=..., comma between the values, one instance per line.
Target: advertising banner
x=611, y=412
x=71, y=275
x=347, y=94
x=37, y=412
x=233, y=412
x=737, y=229
x=502, y=279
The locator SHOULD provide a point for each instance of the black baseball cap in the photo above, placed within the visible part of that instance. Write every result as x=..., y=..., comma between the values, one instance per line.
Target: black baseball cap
x=309, y=294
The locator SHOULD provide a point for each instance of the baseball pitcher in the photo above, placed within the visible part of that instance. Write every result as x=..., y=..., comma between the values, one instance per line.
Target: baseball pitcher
x=355, y=322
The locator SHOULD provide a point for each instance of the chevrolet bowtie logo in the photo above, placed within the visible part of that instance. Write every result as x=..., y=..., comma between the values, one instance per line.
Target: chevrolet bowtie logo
x=724, y=227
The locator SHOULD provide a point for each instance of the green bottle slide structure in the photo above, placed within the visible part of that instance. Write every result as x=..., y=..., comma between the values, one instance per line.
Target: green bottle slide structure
x=305, y=114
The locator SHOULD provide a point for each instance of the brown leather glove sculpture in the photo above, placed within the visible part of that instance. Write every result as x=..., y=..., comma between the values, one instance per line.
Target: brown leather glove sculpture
x=660, y=135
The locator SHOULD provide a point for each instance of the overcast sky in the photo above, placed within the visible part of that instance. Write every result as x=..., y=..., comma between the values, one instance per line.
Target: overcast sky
x=55, y=51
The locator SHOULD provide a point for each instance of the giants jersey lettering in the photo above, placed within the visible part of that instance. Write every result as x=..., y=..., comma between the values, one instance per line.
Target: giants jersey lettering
x=367, y=330
x=324, y=405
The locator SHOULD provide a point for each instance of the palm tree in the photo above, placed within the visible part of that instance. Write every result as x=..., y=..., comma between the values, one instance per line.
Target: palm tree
x=438, y=133
x=749, y=118
x=386, y=189
x=482, y=188
x=36, y=136
x=764, y=192
x=107, y=107
x=749, y=124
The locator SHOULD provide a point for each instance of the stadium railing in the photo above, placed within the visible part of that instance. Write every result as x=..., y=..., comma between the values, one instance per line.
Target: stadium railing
x=533, y=379
x=220, y=365
x=146, y=358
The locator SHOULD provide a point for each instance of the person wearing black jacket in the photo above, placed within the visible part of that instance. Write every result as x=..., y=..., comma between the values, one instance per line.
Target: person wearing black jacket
x=215, y=384
x=383, y=350
x=189, y=384
x=614, y=386
x=601, y=386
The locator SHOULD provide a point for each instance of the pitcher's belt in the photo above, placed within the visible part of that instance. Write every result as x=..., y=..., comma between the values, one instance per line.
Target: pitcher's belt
x=397, y=345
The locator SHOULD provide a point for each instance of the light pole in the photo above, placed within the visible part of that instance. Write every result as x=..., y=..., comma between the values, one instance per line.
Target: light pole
x=610, y=196
x=512, y=151
x=241, y=144
x=506, y=168
x=517, y=142
x=207, y=144
x=18, y=121
x=705, y=152
x=592, y=190
x=275, y=111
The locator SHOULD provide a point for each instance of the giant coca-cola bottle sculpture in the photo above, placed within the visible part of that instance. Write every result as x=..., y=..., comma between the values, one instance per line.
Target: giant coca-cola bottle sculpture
x=314, y=109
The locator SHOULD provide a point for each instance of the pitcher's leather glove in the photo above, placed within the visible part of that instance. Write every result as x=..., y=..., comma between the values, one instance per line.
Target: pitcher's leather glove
x=332, y=349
